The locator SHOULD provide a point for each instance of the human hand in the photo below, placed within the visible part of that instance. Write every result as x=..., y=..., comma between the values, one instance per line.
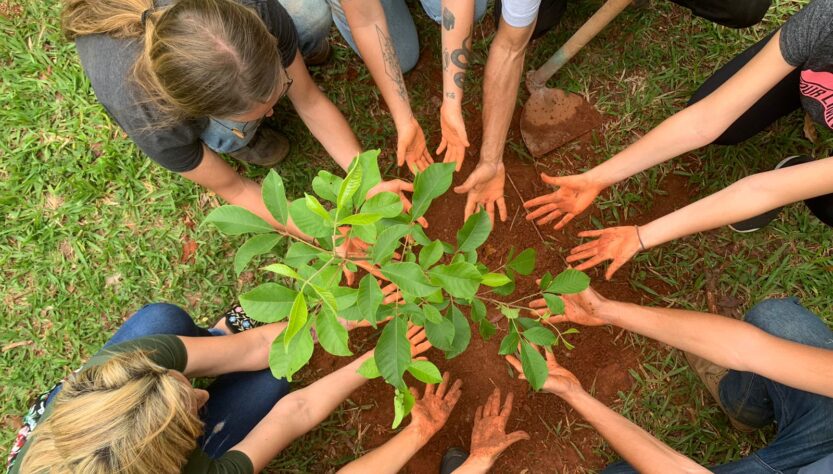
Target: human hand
x=488, y=437
x=485, y=188
x=432, y=411
x=581, y=308
x=618, y=244
x=454, y=141
x=560, y=381
x=397, y=186
x=391, y=295
x=572, y=197
x=417, y=339
x=411, y=147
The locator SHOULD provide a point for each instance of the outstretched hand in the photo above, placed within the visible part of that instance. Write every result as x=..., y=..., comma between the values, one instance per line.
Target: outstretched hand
x=397, y=186
x=488, y=437
x=454, y=140
x=411, y=147
x=430, y=413
x=560, y=381
x=580, y=308
x=485, y=188
x=574, y=194
x=618, y=244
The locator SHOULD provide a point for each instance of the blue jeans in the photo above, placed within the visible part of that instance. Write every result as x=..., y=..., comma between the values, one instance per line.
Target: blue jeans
x=805, y=431
x=237, y=401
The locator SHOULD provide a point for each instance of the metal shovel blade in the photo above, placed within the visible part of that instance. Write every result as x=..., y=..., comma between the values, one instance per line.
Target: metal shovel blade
x=553, y=117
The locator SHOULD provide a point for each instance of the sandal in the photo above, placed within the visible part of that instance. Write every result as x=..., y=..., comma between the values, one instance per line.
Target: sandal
x=237, y=321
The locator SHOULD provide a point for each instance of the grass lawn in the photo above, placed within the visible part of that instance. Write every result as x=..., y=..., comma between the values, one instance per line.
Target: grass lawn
x=90, y=229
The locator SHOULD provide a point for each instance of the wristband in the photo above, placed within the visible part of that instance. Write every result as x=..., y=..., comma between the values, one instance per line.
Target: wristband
x=641, y=244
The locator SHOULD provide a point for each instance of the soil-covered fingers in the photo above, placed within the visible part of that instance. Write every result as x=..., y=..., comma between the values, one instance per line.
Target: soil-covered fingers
x=507, y=407
x=516, y=364
x=564, y=221
x=440, y=393
x=550, y=217
x=454, y=394
x=391, y=294
x=419, y=342
x=501, y=207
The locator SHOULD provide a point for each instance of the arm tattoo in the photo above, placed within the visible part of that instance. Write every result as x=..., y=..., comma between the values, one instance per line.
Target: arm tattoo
x=391, y=60
x=460, y=58
x=448, y=19
x=445, y=59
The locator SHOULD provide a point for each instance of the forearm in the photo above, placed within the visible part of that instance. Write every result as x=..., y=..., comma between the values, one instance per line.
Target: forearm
x=457, y=28
x=500, y=88
x=247, y=351
x=330, y=128
x=392, y=456
x=370, y=32
x=729, y=343
x=248, y=195
x=642, y=451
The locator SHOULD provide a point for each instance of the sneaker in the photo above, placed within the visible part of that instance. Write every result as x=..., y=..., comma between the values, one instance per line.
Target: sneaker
x=236, y=320
x=711, y=374
x=755, y=223
x=452, y=459
x=268, y=148
x=320, y=55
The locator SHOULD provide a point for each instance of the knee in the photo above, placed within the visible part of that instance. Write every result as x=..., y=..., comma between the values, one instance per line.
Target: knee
x=312, y=18
x=163, y=318
x=408, y=58
x=745, y=13
x=773, y=315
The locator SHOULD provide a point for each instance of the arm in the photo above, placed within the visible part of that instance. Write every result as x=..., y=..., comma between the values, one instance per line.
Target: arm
x=321, y=116
x=488, y=437
x=246, y=351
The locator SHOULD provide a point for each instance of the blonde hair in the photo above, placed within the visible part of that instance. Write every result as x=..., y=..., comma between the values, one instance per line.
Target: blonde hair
x=127, y=415
x=200, y=57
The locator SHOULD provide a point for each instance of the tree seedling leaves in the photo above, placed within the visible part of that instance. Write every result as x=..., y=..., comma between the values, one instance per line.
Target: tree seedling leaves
x=234, y=220
x=545, y=281
x=554, y=303
x=360, y=219
x=508, y=288
x=524, y=262
x=285, y=360
x=511, y=313
x=430, y=254
x=440, y=335
x=460, y=280
x=425, y=371
x=474, y=232
x=331, y=334
x=409, y=278
x=403, y=402
x=348, y=188
x=369, y=298
x=393, y=351
x=315, y=206
x=432, y=314
x=509, y=344
x=268, y=303
x=486, y=329
x=345, y=297
x=430, y=184
x=478, y=310
x=462, y=333
x=300, y=253
x=309, y=222
x=369, y=164
x=274, y=197
x=387, y=242
x=367, y=233
x=257, y=245
x=534, y=366
x=326, y=186
x=495, y=279
x=385, y=204
x=568, y=282
x=282, y=270
x=297, y=318
x=540, y=336
x=368, y=369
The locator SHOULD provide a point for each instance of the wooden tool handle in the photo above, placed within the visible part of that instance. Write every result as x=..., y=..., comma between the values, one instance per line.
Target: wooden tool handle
x=587, y=32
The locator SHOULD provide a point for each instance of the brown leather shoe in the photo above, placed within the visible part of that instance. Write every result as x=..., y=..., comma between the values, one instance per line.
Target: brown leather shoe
x=711, y=374
x=268, y=148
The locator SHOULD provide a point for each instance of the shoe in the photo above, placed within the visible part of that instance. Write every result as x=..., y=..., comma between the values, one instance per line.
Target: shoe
x=452, y=459
x=268, y=148
x=320, y=55
x=640, y=4
x=236, y=320
x=756, y=223
x=711, y=374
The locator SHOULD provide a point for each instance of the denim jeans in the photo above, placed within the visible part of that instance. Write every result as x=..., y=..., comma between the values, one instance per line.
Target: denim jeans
x=237, y=401
x=805, y=431
x=226, y=136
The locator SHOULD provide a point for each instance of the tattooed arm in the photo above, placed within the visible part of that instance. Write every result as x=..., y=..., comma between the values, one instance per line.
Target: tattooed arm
x=457, y=29
x=369, y=27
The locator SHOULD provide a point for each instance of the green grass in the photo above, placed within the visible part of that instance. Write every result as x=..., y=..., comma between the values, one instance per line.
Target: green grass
x=91, y=229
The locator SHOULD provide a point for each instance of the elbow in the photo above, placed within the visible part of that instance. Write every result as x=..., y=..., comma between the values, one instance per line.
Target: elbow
x=297, y=406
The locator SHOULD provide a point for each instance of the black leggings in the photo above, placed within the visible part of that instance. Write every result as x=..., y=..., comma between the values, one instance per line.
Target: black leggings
x=781, y=100
x=731, y=13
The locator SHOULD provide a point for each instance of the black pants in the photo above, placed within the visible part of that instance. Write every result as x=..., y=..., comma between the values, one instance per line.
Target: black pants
x=731, y=13
x=781, y=100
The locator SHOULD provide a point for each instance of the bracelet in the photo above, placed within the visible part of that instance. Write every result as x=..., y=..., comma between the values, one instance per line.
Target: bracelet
x=641, y=244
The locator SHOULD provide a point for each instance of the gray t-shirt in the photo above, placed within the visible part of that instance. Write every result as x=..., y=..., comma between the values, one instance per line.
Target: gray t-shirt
x=807, y=44
x=108, y=62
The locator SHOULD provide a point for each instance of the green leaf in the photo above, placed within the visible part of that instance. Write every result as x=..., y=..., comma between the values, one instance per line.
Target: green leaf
x=326, y=185
x=568, y=282
x=430, y=254
x=425, y=371
x=486, y=329
x=554, y=303
x=409, y=278
x=309, y=222
x=432, y=314
x=385, y=204
x=440, y=335
x=524, y=263
x=506, y=289
x=369, y=298
x=545, y=281
x=462, y=334
x=369, y=163
x=387, y=242
x=368, y=369
x=460, y=280
x=285, y=360
x=511, y=313
x=297, y=318
x=360, y=219
x=274, y=196
x=540, y=336
x=509, y=344
x=393, y=351
x=345, y=297
x=403, y=402
x=268, y=303
x=348, y=188
x=282, y=270
x=257, y=245
x=534, y=366
x=495, y=279
x=478, y=310
x=366, y=233
x=299, y=254
x=430, y=184
x=315, y=206
x=234, y=220
x=331, y=334
x=474, y=232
